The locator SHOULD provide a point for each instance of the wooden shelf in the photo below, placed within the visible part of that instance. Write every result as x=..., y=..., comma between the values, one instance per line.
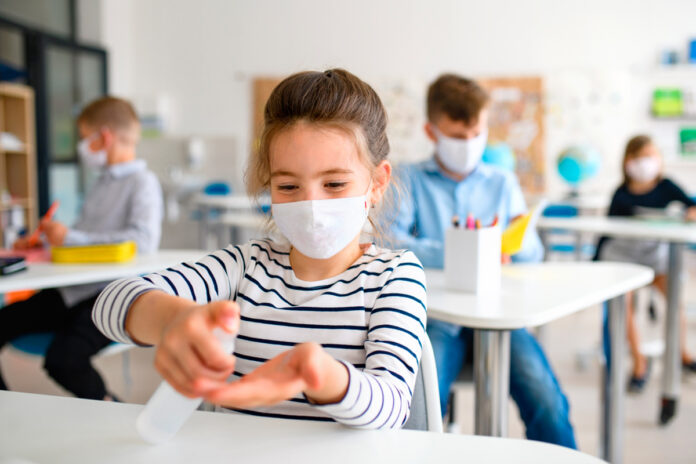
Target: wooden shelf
x=18, y=167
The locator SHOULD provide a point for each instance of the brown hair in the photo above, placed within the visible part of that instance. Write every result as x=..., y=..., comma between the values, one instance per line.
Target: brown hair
x=115, y=113
x=457, y=97
x=634, y=145
x=334, y=99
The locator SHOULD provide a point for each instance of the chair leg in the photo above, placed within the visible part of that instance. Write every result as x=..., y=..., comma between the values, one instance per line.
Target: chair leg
x=127, y=378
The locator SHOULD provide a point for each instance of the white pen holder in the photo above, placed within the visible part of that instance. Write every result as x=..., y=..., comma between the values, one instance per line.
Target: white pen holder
x=472, y=259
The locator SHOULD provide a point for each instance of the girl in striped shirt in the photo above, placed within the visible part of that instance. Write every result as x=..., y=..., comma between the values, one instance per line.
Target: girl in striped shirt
x=328, y=328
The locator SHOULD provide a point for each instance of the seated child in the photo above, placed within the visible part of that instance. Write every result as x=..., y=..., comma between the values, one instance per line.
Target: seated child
x=644, y=186
x=125, y=203
x=454, y=182
x=328, y=328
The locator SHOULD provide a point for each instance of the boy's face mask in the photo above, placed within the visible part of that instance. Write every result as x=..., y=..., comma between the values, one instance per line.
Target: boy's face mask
x=321, y=228
x=92, y=159
x=461, y=155
x=643, y=169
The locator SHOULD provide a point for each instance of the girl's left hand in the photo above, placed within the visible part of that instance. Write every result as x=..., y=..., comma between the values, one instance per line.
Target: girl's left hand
x=691, y=214
x=305, y=368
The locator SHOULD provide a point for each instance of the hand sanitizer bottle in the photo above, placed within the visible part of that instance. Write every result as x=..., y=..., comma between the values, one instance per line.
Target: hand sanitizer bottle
x=168, y=410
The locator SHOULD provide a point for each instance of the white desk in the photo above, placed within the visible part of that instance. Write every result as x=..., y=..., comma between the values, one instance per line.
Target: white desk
x=49, y=275
x=678, y=235
x=49, y=429
x=228, y=206
x=532, y=295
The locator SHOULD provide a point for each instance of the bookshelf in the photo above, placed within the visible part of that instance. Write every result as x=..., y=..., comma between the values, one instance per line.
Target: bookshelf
x=18, y=194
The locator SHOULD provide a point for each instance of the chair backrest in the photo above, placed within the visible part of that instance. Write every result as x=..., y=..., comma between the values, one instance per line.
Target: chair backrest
x=425, y=403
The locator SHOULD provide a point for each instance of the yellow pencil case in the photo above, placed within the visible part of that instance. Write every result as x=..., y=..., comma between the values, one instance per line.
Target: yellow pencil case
x=103, y=253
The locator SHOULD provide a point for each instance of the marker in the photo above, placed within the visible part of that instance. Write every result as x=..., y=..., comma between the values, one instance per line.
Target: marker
x=455, y=221
x=34, y=237
x=478, y=223
x=470, y=221
x=495, y=221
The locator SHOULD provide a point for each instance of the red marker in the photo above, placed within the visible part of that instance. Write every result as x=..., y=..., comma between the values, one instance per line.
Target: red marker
x=34, y=237
x=495, y=221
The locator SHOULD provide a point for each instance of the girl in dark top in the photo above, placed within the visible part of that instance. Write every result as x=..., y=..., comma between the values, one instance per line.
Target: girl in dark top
x=644, y=186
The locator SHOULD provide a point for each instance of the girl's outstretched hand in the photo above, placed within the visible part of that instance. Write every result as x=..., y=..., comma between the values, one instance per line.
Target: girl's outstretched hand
x=305, y=368
x=189, y=356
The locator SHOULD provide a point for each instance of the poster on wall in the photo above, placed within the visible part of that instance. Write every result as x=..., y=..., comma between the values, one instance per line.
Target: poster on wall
x=517, y=120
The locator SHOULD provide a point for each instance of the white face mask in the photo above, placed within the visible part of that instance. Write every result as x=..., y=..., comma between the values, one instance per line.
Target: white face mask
x=321, y=228
x=461, y=155
x=92, y=159
x=643, y=169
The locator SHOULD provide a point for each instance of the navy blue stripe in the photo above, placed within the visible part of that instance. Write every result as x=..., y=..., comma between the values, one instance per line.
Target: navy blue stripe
x=304, y=308
x=389, y=353
x=118, y=289
x=249, y=358
x=268, y=242
x=166, y=279
x=231, y=254
x=207, y=289
x=282, y=416
x=395, y=375
x=381, y=406
x=369, y=403
x=411, y=264
x=222, y=263
x=403, y=347
x=394, y=310
x=148, y=279
x=193, y=294
x=321, y=287
x=264, y=289
x=304, y=326
x=269, y=256
x=212, y=277
x=275, y=292
x=241, y=256
x=286, y=343
x=404, y=279
x=402, y=295
x=126, y=304
x=370, y=261
x=396, y=327
x=393, y=406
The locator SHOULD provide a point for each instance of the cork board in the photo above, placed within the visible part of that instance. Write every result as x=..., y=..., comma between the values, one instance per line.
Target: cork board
x=517, y=119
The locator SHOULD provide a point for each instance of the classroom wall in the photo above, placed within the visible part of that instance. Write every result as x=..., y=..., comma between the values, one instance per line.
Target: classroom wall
x=200, y=56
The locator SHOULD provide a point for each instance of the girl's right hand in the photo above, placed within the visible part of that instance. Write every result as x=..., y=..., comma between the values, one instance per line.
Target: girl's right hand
x=189, y=357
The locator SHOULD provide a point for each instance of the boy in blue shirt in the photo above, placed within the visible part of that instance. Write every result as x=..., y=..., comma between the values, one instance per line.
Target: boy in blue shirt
x=455, y=182
x=125, y=203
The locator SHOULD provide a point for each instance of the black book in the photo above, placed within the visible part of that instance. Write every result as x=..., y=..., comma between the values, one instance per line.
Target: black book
x=12, y=264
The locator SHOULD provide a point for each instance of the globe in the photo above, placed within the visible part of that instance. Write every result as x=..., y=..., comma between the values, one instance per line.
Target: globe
x=578, y=163
x=501, y=155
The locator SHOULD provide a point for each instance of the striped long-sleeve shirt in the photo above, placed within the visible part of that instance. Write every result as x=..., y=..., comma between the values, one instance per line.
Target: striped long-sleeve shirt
x=371, y=317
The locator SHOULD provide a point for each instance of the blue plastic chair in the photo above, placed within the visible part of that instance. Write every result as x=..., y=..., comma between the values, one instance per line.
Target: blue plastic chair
x=561, y=210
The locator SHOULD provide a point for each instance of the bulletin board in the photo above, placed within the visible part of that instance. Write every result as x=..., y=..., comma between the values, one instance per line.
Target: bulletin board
x=516, y=118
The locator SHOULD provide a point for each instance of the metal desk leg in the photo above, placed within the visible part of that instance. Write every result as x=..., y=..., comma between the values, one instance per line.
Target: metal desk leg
x=611, y=429
x=672, y=361
x=491, y=381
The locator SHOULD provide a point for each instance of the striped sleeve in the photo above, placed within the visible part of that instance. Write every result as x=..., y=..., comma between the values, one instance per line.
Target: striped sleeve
x=211, y=278
x=379, y=396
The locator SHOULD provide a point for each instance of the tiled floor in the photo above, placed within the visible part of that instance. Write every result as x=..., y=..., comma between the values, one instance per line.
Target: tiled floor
x=646, y=442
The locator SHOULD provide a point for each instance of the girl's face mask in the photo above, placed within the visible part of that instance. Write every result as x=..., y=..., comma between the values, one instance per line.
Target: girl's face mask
x=321, y=228
x=643, y=169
